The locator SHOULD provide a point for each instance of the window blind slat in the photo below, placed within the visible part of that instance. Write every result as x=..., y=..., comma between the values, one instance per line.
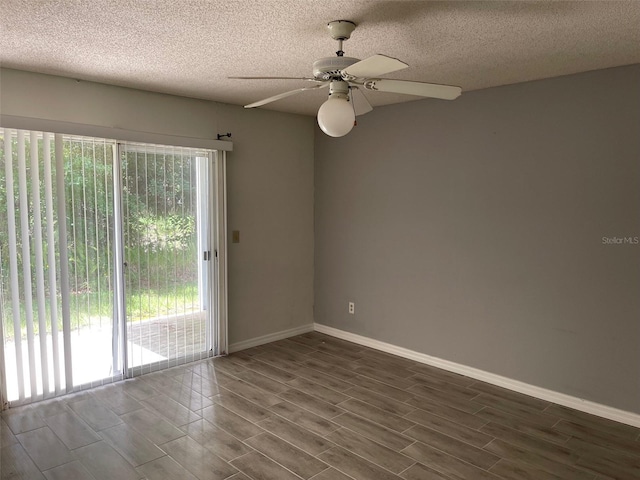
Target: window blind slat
x=39, y=262
x=26, y=258
x=13, y=261
x=51, y=255
x=64, y=262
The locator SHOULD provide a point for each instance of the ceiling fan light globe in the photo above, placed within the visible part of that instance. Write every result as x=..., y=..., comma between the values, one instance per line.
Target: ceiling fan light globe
x=336, y=117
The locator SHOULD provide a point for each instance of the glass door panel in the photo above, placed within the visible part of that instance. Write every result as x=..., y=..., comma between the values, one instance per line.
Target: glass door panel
x=165, y=224
x=56, y=288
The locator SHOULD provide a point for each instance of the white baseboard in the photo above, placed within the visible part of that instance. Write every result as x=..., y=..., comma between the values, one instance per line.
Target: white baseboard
x=587, y=406
x=271, y=337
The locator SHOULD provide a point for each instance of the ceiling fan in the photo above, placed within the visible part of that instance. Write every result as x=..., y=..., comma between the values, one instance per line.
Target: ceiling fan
x=346, y=77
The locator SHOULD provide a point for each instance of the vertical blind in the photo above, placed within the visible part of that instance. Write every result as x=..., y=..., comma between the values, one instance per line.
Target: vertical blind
x=29, y=241
x=54, y=201
x=62, y=327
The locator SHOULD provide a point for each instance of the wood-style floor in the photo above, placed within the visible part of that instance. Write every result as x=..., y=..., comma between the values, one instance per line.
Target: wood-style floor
x=311, y=407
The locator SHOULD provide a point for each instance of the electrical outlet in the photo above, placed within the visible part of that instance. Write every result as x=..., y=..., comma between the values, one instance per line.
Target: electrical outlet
x=352, y=308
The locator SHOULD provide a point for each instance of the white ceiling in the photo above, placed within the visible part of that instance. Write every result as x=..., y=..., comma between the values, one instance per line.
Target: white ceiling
x=190, y=47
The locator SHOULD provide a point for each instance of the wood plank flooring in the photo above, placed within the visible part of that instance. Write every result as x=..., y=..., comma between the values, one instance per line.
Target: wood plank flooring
x=311, y=407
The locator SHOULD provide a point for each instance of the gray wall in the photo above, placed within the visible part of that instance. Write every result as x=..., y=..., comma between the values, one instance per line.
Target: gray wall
x=269, y=177
x=472, y=231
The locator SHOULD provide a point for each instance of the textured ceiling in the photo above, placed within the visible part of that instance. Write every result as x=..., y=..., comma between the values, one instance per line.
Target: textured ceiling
x=189, y=47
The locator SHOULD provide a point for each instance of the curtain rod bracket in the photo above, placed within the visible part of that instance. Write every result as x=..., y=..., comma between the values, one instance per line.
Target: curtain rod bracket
x=222, y=135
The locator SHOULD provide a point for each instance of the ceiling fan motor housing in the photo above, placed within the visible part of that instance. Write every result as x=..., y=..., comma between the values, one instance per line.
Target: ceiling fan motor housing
x=329, y=67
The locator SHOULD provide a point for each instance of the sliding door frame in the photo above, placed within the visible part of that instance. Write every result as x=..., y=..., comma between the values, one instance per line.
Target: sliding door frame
x=220, y=346
x=218, y=336
x=212, y=245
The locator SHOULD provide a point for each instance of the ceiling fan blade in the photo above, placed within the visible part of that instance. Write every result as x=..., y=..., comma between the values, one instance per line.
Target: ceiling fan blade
x=311, y=79
x=421, y=89
x=284, y=95
x=360, y=103
x=373, y=66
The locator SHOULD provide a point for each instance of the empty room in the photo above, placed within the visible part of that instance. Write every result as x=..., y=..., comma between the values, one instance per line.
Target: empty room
x=319, y=240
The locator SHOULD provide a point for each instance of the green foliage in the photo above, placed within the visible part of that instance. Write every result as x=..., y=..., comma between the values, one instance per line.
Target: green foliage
x=162, y=301
x=159, y=231
x=171, y=233
x=92, y=308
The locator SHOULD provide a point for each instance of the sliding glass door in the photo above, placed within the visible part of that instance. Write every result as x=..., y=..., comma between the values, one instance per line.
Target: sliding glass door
x=108, y=261
x=167, y=221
